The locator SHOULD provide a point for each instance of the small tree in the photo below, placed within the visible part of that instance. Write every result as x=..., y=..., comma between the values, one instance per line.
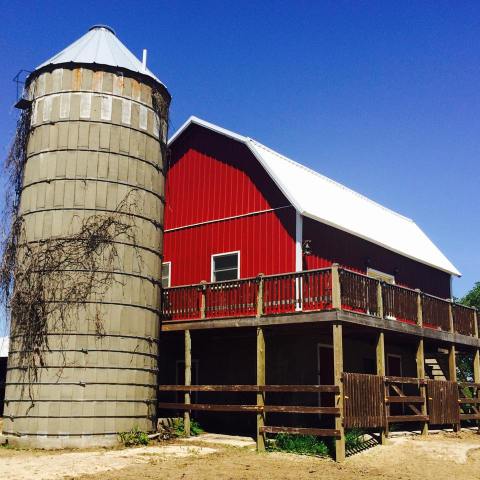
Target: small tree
x=465, y=362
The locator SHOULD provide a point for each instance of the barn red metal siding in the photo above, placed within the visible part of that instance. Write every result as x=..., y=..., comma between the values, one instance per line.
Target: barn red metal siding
x=213, y=177
x=332, y=245
x=265, y=242
x=210, y=178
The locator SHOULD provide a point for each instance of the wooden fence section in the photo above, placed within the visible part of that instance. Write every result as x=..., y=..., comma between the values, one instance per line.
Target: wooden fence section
x=311, y=290
x=469, y=400
x=364, y=402
x=443, y=405
x=404, y=395
x=297, y=409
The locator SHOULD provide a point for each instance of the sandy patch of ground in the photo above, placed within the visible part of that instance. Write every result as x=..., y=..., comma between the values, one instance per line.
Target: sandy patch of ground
x=26, y=465
x=439, y=457
x=225, y=440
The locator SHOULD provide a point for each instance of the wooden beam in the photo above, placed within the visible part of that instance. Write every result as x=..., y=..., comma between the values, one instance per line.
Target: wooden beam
x=188, y=380
x=250, y=388
x=420, y=358
x=318, y=432
x=261, y=377
x=337, y=332
x=380, y=355
x=408, y=418
x=215, y=407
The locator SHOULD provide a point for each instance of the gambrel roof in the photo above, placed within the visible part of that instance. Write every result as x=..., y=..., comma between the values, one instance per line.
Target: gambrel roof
x=322, y=199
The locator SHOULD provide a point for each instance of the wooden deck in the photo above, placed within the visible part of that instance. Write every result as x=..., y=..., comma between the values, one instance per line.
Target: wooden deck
x=324, y=295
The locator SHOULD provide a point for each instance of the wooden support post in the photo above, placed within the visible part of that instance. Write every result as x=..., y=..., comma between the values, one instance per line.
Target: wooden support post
x=476, y=375
x=260, y=296
x=336, y=292
x=452, y=374
x=203, y=301
x=188, y=380
x=421, y=374
x=380, y=354
x=261, y=377
x=380, y=300
x=337, y=374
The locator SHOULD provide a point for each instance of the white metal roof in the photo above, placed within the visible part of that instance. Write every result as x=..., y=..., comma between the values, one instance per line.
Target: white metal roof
x=4, y=341
x=100, y=46
x=320, y=198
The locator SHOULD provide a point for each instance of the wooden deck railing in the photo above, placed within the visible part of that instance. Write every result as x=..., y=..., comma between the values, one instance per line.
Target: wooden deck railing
x=313, y=290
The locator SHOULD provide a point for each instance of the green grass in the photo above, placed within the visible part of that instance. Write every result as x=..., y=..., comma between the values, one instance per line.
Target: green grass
x=134, y=437
x=353, y=438
x=179, y=428
x=301, y=444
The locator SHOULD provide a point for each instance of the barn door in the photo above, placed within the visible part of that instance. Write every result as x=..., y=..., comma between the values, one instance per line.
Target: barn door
x=364, y=400
x=443, y=402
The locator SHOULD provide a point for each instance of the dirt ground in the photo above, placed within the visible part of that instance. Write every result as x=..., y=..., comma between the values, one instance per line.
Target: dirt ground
x=440, y=456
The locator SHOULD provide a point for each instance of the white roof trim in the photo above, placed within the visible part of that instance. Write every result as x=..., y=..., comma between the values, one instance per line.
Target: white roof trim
x=340, y=206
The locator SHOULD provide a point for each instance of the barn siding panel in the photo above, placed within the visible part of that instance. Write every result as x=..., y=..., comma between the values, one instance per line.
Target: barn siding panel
x=266, y=244
x=329, y=245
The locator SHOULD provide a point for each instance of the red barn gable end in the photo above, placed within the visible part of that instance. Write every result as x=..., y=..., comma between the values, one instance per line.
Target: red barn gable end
x=228, y=193
x=220, y=199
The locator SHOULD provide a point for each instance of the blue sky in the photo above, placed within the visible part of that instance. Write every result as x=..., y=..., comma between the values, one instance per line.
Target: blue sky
x=381, y=96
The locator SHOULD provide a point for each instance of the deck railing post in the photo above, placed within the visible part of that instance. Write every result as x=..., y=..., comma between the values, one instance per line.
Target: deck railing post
x=188, y=380
x=450, y=317
x=261, y=378
x=203, y=300
x=260, y=295
x=420, y=357
x=475, y=323
x=337, y=373
x=380, y=354
x=336, y=291
x=380, y=301
x=419, y=308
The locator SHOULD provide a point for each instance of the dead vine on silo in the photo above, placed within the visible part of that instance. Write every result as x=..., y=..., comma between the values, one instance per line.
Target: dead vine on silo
x=44, y=283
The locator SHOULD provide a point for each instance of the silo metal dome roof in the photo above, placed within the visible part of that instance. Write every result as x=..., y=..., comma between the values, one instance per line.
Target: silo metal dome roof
x=100, y=46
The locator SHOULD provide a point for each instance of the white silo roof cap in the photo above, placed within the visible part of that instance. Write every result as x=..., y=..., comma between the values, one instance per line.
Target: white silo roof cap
x=100, y=46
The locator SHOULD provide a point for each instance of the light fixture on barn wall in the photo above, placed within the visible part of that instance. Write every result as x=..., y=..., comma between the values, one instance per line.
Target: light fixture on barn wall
x=307, y=247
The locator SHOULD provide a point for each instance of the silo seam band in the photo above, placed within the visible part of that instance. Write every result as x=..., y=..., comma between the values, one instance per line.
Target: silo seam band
x=98, y=122
x=90, y=179
x=83, y=209
x=117, y=242
x=100, y=94
x=43, y=152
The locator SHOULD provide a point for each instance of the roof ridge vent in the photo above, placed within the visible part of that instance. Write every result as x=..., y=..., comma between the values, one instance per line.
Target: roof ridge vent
x=100, y=26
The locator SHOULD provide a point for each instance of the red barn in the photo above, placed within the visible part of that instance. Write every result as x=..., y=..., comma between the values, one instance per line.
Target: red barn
x=277, y=279
x=234, y=202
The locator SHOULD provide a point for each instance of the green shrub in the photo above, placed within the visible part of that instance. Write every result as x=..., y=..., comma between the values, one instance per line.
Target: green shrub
x=302, y=444
x=179, y=428
x=134, y=437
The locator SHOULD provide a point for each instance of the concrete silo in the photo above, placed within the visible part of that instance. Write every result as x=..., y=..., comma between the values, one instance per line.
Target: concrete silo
x=96, y=135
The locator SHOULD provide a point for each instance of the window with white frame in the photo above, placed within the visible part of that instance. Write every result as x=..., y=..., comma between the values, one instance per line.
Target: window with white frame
x=382, y=276
x=166, y=268
x=225, y=266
